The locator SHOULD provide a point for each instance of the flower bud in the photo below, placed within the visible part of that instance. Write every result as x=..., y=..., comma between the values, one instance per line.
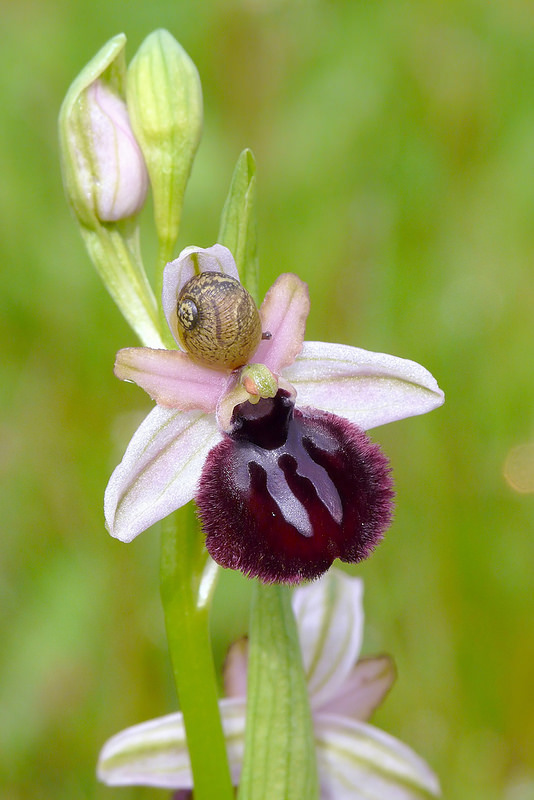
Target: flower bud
x=103, y=168
x=165, y=105
x=112, y=168
x=106, y=181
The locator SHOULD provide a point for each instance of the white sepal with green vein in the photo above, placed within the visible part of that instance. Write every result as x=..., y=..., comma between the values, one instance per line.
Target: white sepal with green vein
x=355, y=760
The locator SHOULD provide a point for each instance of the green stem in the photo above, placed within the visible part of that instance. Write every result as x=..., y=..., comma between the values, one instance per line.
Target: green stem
x=186, y=585
x=123, y=274
x=279, y=758
x=165, y=253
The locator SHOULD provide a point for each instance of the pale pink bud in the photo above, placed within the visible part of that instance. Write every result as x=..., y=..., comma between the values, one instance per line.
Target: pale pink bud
x=113, y=171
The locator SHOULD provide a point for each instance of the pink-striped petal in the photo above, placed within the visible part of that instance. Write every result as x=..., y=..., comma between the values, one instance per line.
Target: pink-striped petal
x=160, y=470
x=283, y=314
x=192, y=261
x=171, y=378
x=367, y=388
x=363, y=690
x=329, y=615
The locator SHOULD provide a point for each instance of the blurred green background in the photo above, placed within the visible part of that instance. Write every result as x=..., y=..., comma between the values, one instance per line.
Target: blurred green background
x=395, y=149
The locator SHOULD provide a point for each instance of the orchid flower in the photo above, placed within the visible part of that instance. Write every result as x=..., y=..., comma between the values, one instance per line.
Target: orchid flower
x=356, y=761
x=274, y=452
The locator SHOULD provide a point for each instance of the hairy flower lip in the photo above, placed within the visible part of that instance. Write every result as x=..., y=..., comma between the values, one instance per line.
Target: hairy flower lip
x=163, y=463
x=290, y=490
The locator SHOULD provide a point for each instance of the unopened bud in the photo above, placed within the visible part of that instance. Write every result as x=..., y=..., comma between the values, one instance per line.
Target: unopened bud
x=106, y=181
x=112, y=168
x=165, y=104
x=103, y=168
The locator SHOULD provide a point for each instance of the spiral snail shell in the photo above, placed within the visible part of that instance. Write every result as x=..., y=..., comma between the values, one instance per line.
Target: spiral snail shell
x=217, y=320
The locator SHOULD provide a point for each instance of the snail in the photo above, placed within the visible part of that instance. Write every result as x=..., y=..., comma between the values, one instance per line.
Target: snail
x=217, y=321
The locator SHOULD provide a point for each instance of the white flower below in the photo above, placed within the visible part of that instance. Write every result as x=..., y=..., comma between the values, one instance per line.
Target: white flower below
x=356, y=761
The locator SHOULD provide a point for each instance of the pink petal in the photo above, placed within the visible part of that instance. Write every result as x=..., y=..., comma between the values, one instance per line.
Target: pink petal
x=363, y=690
x=367, y=388
x=171, y=378
x=160, y=470
x=329, y=615
x=283, y=314
x=192, y=261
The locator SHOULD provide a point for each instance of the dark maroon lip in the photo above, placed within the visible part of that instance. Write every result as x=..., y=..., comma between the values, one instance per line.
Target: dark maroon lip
x=289, y=490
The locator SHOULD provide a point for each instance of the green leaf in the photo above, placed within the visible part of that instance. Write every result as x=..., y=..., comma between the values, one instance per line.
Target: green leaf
x=279, y=756
x=238, y=230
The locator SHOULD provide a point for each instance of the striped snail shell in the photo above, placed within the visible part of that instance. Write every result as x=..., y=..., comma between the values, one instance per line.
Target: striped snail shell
x=218, y=322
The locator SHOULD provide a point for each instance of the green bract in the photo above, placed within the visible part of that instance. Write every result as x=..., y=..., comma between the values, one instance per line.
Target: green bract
x=165, y=105
x=238, y=230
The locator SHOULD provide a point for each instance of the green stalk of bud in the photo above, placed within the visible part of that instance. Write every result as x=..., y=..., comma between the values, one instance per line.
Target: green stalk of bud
x=106, y=182
x=165, y=104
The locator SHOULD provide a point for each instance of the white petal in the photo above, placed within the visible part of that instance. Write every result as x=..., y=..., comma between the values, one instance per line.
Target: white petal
x=367, y=388
x=364, y=689
x=192, y=261
x=329, y=616
x=160, y=470
x=155, y=753
x=359, y=762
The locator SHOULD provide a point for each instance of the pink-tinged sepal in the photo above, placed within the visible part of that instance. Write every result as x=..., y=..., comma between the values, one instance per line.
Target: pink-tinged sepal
x=192, y=261
x=366, y=388
x=329, y=616
x=290, y=490
x=171, y=378
x=159, y=471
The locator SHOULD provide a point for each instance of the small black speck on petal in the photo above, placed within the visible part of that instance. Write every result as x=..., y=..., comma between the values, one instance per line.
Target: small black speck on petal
x=290, y=490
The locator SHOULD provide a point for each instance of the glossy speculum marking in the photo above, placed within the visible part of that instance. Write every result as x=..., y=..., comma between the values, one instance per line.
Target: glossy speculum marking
x=289, y=490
